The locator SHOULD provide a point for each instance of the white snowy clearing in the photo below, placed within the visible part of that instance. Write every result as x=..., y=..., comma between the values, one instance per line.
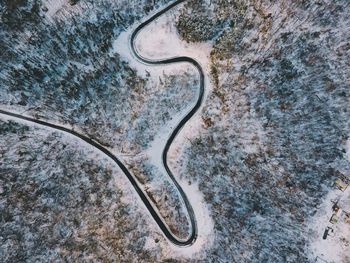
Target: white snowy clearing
x=336, y=247
x=54, y=6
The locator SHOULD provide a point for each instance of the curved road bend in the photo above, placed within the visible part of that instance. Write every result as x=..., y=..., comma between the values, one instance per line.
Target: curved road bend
x=189, y=115
x=145, y=199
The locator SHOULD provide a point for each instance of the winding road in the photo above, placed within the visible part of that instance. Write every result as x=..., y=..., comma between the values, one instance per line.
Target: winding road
x=144, y=197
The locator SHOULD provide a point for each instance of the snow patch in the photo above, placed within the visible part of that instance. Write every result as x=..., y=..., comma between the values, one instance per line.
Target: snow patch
x=336, y=247
x=121, y=46
x=54, y=6
x=160, y=40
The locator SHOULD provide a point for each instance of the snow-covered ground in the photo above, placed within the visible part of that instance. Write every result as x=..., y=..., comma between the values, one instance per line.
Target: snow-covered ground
x=336, y=247
x=156, y=73
x=54, y=6
x=268, y=136
x=160, y=40
x=48, y=171
x=205, y=229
